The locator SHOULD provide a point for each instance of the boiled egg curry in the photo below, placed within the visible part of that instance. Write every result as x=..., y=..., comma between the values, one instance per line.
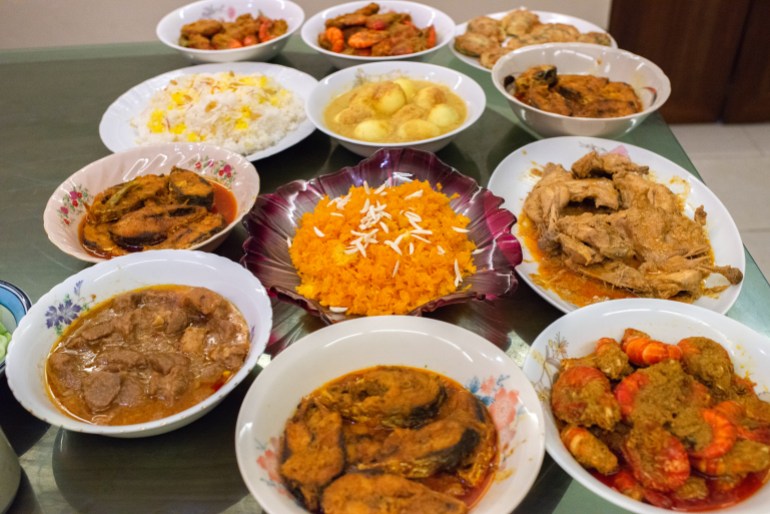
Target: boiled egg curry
x=395, y=111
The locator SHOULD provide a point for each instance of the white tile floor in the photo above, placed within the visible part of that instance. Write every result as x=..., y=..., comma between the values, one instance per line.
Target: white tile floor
x=734, y=161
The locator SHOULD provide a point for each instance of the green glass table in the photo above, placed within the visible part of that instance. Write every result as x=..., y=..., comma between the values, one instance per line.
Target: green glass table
x=51, y=102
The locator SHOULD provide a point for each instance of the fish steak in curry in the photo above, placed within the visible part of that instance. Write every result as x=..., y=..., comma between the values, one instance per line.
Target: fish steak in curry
x=393, y=438
x=152, y=212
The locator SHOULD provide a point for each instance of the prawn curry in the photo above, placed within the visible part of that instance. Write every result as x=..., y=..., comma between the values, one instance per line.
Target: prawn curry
x=672, y=425
x=389, y=436
x=178, y=210
x=146, y=354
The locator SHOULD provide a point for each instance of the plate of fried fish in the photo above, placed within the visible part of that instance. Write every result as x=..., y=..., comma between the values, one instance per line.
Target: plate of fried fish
x=482, y=40
x=601, y=220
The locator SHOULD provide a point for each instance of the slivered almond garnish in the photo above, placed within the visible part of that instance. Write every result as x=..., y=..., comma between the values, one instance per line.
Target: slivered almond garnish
x=372, y=251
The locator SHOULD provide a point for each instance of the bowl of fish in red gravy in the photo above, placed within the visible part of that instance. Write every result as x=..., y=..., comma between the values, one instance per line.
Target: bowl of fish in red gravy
x=414, y=413
x=579, y=89
x=186, y=196
x=139, y=345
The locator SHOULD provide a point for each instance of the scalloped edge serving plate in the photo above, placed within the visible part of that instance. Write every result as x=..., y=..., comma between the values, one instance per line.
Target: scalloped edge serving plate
x=513, y=180
x=116, y=131
x=275, y=217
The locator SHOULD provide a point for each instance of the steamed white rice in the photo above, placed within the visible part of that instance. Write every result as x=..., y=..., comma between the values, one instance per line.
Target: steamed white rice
x=244, y=113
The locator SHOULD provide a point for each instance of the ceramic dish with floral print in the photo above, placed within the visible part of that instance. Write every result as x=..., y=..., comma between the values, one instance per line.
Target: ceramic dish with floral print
x=56, y=310
x=273, y=222
x=68, y=205
x=576, y=334
x=443, y=348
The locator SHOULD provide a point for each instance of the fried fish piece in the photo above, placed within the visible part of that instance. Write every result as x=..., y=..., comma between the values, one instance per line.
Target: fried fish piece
x=385, y=494
x=312, y=454
x=390, y=396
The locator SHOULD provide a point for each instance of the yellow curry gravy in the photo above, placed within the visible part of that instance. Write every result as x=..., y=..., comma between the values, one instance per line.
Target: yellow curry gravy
x=146, y=354
x=553, y=275
x=394, y=111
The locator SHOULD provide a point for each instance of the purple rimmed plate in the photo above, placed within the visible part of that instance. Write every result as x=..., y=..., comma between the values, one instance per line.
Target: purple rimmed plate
x=274, y=218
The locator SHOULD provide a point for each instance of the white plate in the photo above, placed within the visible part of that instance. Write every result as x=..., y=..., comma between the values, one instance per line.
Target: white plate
x=545, y=17
x=575, y=335
x=513, y=180
x=117, y=133
x=361, y=343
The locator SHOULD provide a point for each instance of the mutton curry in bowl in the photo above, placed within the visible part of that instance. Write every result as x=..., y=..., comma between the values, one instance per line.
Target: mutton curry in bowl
x=166, y=196
x=141, y=344
x=399, y=411
x=657, y=405
x=557, y=80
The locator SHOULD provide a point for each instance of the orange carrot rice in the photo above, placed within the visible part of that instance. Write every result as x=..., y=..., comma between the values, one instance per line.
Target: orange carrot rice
x=382, y=251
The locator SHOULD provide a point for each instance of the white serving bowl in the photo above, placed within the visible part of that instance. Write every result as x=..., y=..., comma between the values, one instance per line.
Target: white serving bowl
x=649, y=81
x=422, y=16
x=170, y=26
x=66, y=207
x=345, y=79
x=338, y=349
x=54, y=311
x=575, y=335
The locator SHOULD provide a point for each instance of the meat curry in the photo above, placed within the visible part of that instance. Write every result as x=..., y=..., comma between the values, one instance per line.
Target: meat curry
x=146, y=354
x=672, y=425
x=389, y=437
x=177, y=210
x=605, y=230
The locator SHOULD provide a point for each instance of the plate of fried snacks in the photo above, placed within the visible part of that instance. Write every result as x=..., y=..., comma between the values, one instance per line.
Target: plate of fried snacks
x=481, y=41
x=413, y=413
x=401, y=232
x=657, y=405
x=602, y=220
x=167, y=196
x=253, y=108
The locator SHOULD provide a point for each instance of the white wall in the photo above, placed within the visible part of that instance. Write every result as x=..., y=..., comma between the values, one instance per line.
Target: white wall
x=51, y=23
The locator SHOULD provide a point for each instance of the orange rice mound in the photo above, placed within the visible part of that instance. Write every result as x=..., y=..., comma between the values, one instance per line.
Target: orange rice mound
x=347, y=250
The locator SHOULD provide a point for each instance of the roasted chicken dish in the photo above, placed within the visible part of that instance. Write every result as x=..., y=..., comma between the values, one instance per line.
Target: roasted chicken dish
x=672, y=425
x=246, y=30
x=371, y=33
x=584, y=96
x=177, y=210
x=605, y=229
x=389, y=439
x=488, y=39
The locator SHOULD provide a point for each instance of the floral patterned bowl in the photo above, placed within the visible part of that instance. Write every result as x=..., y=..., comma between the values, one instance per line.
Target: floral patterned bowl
x=575, y=335
x=50, y=316
x=67, y=206
x=336, y=350
x=275, y=217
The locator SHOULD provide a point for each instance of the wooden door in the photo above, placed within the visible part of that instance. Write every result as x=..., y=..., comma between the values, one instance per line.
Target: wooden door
x=748, y=95
x=695, y=42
